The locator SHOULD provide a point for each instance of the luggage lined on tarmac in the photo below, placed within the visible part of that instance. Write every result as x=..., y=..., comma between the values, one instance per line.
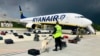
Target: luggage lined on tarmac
x=50, y=35
x=65, y=36
x=9, y=41
x=34, y=52
x=11, y=30
x=1, y=38
x=20, y=36
x=27, y=34
x=75, y=40
x=2, y=33
x=72, y=41
x=64, y=44
x=15, y=34
x=63, y=40
x=36, y=38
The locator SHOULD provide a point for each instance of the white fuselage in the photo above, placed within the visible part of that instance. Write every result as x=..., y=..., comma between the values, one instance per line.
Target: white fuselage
x=72, y=19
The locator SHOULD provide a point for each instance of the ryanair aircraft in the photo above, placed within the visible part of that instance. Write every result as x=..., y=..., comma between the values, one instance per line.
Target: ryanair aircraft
x=65, y=19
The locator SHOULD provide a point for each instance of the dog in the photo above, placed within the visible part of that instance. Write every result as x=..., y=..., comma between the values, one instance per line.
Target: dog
x=44, y=45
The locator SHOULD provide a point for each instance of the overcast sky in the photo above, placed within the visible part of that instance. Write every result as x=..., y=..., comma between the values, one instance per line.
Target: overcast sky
x=88, y=8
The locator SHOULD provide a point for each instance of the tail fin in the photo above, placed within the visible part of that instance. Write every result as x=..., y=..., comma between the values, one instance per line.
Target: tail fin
x=21, y=13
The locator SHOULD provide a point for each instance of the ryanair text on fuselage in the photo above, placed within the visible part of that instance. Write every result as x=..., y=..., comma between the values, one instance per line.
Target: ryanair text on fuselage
x=49, y=18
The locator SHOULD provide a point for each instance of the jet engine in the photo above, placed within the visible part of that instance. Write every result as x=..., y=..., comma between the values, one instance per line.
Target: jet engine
x=30, y=25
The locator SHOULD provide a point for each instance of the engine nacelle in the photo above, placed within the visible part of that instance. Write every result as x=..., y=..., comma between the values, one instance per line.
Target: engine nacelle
x=30, y=25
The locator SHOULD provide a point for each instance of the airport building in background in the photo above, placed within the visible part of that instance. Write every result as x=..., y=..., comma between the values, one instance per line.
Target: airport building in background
x=6, y=22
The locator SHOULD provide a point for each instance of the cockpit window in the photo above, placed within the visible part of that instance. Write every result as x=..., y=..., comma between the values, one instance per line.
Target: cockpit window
x=80, y=17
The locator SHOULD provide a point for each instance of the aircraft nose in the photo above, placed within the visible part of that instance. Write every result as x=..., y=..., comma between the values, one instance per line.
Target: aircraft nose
x=88, y=21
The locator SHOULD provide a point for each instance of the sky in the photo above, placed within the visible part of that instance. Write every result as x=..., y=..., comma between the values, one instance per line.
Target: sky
x=31, y=8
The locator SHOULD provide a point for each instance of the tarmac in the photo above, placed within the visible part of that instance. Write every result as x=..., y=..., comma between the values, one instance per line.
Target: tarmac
x=89, y=45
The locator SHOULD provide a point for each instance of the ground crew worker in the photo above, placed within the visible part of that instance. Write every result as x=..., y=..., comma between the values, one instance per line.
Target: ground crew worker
x=81, y=32
x=57, y=36
x=78, y=32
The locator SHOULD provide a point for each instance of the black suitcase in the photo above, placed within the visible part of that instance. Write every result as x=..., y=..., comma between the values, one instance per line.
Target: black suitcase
x=1, y=38
x=77, y=39
x=27, y=34
x=64, y=44
x=21, y=36
x=9, y=41
x=34, y=52
x=15, y=34
x=72, y=41
x=36, y=38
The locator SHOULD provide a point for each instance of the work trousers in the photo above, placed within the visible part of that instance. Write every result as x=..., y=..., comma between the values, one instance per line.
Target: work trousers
x=58, y=43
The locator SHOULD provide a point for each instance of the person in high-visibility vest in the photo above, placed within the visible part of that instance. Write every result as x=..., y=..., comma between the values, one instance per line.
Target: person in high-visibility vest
x=57, y=36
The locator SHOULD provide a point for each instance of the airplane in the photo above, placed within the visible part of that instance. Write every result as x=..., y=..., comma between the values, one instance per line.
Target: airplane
x=73, y=20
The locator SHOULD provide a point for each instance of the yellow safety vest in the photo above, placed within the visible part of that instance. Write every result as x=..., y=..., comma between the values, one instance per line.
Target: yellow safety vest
x=58, y=31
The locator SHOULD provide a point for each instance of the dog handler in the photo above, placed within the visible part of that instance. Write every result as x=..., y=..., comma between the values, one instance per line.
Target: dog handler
x=57, y=36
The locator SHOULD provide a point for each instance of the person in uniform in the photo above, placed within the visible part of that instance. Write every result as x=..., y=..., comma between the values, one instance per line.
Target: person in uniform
x=57, y=33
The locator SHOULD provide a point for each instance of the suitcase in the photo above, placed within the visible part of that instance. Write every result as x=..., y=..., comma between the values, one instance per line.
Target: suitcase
x=64, y=44
x=36, y=38
x=20, y=36
x=9, y=41
x=27, y=34
x=72, y=41
x=65, y=36
x=1, y=38
x=3, y=33
x=15, y=34
x=34, y=52
x=77, y=38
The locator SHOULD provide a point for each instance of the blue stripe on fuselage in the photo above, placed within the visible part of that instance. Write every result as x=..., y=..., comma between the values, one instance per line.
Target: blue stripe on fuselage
x=49, y=18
